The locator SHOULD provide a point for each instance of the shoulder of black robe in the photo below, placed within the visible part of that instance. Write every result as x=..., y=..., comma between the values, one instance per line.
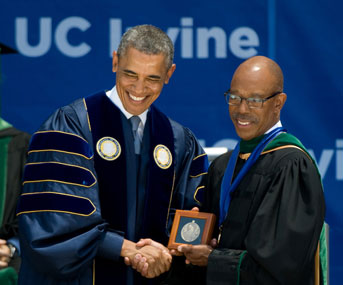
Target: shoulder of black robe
x=274, y=221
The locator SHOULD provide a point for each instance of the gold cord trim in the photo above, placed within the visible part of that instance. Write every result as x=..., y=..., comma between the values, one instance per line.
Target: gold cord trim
x=199, y=156
x=245, y=156
x=195, y=176
x=58, y=211
x=196, y=192
x=170, y=199
x=89, y=123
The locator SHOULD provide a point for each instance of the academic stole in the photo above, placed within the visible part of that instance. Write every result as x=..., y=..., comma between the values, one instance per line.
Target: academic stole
x=228, y=184
x=105, y=121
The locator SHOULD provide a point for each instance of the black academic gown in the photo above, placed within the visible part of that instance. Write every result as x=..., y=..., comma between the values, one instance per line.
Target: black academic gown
x=276, y=214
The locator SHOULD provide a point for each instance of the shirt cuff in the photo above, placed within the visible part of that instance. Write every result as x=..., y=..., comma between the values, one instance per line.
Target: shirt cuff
x=15, y=242
x=110, y=246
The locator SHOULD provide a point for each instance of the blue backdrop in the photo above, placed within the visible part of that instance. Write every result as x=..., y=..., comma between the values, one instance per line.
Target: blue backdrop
x=64, y=52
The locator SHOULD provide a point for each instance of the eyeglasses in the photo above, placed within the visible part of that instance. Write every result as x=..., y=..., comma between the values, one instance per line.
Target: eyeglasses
x=252, y=102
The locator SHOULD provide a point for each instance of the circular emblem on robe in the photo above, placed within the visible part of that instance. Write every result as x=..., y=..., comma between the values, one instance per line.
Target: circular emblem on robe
x=108, y=148
x=162, y=156
x=190, y=231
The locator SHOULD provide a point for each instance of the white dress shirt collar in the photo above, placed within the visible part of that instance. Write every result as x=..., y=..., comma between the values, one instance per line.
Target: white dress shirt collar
x=277, y=125
x=114, y=97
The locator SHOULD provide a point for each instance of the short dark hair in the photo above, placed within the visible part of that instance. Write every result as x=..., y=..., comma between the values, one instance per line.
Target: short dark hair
x=147, y=39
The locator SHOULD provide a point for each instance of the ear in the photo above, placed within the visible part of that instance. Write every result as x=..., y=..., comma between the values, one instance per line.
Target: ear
x=170, y=73
x=114, y=61
x=280, y=101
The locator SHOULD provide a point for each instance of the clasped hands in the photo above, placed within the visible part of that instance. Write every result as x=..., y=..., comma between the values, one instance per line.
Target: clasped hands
x=153, y=259
x=148, y=257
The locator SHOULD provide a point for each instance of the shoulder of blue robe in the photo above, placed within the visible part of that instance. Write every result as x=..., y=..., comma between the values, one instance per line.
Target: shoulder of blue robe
x=191, y=165
x=61, y=228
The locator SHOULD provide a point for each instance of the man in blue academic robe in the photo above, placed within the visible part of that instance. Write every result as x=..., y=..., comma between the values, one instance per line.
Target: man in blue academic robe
x=107, y=170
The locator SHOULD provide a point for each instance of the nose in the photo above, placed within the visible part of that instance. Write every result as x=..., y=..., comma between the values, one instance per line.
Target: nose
x=243, y=107
x=139, y=87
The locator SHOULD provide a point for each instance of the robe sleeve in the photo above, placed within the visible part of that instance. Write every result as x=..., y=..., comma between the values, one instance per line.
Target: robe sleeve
x=191, y=167
x=61, y=228
x=283, y=236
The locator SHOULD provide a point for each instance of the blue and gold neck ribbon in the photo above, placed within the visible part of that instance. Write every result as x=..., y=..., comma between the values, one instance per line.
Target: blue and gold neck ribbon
x=228, y=186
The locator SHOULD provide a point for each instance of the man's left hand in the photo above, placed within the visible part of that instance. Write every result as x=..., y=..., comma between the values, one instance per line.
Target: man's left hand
x=196, y=254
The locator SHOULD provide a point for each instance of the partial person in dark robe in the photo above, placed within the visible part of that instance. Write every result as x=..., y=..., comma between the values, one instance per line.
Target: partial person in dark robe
x=13, y=147
x=106, y=171
x=266, y=193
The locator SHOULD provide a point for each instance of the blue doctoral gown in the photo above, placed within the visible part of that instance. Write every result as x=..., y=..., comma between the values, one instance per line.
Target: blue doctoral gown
x=85, y=191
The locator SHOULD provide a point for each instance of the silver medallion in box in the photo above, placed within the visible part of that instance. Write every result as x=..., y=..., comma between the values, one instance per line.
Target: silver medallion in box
x=190, y=231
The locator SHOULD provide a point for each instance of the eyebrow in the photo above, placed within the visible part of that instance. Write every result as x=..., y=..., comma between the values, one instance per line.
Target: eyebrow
x=154, y=77
x=253, y=95
x=129, y=71
x=134, y=73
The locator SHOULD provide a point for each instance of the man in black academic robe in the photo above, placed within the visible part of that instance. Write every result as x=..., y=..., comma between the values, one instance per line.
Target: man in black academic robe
x=267, y=194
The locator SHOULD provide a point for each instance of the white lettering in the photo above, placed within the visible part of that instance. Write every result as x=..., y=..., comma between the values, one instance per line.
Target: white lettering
x=324, y=161
x=22, y=41
x=242, y=42
x=187, y=38
x=61, y=34
x=219, y=36
x=115, y=34
x=173, y=33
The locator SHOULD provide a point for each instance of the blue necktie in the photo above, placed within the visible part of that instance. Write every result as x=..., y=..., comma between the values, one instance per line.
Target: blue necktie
x=135, y=120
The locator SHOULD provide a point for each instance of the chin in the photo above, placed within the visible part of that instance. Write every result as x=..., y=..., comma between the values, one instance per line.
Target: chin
x=243, y=135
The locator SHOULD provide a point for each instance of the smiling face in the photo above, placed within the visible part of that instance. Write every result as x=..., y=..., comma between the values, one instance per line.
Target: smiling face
x=140, y=78
x=255, y=78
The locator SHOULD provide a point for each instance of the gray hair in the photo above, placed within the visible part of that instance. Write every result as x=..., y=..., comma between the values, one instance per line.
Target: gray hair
x=149, y=40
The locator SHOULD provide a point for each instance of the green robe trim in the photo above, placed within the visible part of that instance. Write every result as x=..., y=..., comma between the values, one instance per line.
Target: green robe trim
x=8, y=276
x=3, y=167
x=3, y=173
x=4, y=124
x=239, y=266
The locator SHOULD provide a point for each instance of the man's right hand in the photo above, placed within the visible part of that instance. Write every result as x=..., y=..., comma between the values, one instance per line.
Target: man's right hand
x=148, y=257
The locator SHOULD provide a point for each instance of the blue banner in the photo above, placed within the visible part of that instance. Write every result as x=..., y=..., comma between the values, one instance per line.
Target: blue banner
x=65, y=48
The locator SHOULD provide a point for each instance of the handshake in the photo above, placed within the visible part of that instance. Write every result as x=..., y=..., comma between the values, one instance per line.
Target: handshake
x=148, y=257
x=151, y=258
